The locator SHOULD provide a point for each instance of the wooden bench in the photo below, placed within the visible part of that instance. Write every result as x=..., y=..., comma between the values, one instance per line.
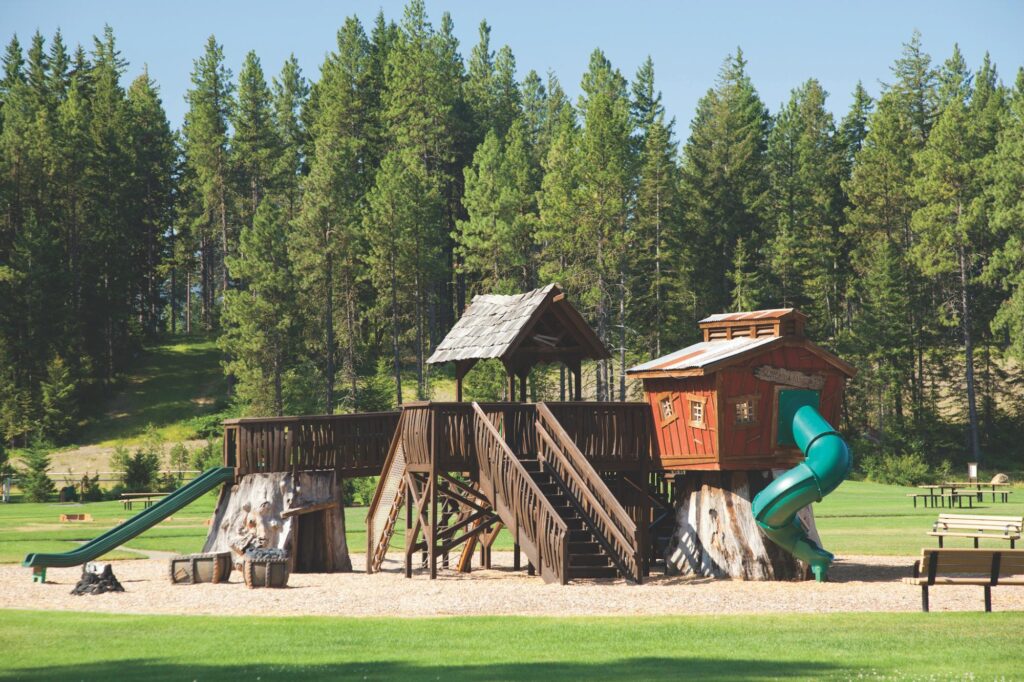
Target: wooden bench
x=985, y=567
x=978, y=527
x=951, y=497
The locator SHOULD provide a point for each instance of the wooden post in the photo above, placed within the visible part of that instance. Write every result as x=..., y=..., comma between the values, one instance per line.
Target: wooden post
x=577, y=374
x=409, y=538
x=522, y=388
x=434, y=436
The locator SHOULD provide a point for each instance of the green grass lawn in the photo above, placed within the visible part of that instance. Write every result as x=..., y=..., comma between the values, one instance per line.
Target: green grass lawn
x=45, y=646
x=859, y=518
x=29, y=527
x=868, y=518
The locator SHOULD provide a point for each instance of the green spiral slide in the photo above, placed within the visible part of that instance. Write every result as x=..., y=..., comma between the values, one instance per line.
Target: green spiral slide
x=122, y=533
x=827, y=462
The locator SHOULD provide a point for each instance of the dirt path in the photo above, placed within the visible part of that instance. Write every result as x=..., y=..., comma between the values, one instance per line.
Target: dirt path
x=858, y=583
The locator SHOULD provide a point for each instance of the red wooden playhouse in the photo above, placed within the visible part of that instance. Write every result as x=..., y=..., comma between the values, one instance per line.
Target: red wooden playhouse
x=716, y=403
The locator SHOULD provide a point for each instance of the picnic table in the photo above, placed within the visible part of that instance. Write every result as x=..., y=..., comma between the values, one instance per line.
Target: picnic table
x=980, y=486
x=939, y=493
x=147, y=499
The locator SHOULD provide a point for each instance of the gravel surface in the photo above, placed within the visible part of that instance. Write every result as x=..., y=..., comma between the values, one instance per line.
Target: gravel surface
x=857, y=583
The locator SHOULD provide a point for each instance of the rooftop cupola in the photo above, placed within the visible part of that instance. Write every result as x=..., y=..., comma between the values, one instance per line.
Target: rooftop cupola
x=759, y=323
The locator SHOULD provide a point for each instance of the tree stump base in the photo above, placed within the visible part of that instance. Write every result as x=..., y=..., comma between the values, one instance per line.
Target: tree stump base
x=301, y=514
x=716, y=535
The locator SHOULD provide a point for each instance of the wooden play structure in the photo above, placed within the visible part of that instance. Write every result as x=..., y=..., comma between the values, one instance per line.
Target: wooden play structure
x=586, y=489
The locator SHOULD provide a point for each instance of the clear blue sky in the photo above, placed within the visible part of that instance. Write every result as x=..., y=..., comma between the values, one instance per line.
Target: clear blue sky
x=785, y=42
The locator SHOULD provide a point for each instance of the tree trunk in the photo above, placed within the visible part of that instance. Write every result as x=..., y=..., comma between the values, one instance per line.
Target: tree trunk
x=716, y=535
x=394, y=332
x=329, y=330
x=268, y=510
x=965, y=318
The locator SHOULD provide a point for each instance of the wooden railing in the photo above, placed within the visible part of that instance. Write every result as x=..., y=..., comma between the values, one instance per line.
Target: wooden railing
x=350, y=444
x=609, y=435
x=520, y=504
x=608, y=519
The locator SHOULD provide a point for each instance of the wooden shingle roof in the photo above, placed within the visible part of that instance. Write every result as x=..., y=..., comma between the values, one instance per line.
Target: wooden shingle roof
x=496, y=326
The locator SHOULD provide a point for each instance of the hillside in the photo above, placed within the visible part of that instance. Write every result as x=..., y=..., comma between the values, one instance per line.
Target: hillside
x=168, y=386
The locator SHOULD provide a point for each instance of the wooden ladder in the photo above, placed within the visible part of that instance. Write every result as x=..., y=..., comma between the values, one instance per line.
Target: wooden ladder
x=386, y=505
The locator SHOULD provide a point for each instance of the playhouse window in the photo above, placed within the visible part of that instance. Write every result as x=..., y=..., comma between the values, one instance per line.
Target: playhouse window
x=697, y=413
x=746, y=413
x=667, y=409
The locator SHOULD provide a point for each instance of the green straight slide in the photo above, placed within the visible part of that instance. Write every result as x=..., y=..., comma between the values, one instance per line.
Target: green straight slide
x=122, y=533
x=826, y=465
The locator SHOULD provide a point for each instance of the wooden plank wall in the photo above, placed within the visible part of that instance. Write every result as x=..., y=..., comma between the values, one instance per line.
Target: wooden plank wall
x=678, y=442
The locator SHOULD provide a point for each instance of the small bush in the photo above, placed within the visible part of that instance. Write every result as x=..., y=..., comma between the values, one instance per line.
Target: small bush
x=908, y=470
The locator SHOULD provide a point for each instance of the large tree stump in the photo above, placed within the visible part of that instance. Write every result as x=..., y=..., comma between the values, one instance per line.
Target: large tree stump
x=302, y=515
x=716, y=535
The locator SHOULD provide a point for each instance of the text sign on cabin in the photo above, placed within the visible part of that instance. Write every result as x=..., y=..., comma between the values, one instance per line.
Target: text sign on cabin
x=789, y=377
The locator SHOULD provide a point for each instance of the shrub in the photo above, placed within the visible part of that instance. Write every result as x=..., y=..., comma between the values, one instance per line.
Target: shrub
x=138, y=471
x=207, y=456
x=909, y=469
x=179, y=457
x=90, y=487
x=34, y=480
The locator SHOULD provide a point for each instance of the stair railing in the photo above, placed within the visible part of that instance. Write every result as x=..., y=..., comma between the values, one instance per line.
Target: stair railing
x=520, y=504
x=611, y=522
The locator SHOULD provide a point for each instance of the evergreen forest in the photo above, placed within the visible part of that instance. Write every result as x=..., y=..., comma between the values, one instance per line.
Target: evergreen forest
x=328, y=229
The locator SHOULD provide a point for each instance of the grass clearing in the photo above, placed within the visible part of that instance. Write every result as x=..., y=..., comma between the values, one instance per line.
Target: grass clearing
x=168, y=385
x=799, y=647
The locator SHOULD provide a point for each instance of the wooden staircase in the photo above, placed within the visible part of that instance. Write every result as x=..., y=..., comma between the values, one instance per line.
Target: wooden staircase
x=587, y=558
x=531, y=478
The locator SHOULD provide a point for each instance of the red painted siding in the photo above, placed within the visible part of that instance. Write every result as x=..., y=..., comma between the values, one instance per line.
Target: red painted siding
x=723, y=444
x=678, y=441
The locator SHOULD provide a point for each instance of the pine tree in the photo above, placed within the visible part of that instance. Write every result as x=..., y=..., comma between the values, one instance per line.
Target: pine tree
x=38, y=486
x=328, y=237
x=153, y=155
x=205, y=145
x=723, y=180
x=291, y=92
x=1006, y=188
x=493, y=244
x=58, y=402
x=255, y=144
x=657, y=276
x=402, y=251
x=606, y=193
x=951, y=223
x=421, y=109
x=881, y=203
x=804, y=208
x=259, y=322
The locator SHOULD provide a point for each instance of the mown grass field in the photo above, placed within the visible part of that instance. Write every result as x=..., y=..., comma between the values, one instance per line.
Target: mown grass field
x=859, y=518
x=45, y=646
x=30, y=527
